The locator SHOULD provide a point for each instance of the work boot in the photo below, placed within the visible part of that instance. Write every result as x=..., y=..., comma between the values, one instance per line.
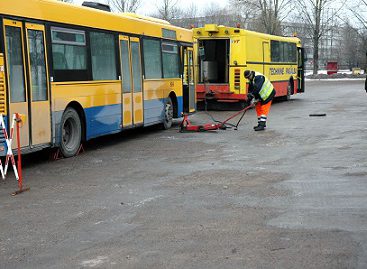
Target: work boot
x=261, y=126
x=258, y=123
x=257, y=126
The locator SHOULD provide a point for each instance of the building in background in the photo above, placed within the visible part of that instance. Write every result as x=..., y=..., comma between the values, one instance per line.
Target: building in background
x=342, y=44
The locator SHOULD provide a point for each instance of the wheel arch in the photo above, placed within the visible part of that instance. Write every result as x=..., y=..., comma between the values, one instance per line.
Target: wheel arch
x=291, y=83
x=173, y=97
x=79, y=109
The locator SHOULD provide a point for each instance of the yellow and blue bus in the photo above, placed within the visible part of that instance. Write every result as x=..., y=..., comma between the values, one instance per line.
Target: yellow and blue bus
x=78, y=72
x=224, y=53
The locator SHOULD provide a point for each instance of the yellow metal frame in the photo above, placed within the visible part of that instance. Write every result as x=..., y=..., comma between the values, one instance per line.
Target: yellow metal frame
x=138, y=97
x=40, y=120
x=18, y=24
x=19, y=107
x=127, y=106
x=3, y=99
x=189, y=75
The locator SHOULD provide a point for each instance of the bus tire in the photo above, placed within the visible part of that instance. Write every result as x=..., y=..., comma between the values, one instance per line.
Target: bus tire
x=289, y=91
x=71, y=132
x=168, y=114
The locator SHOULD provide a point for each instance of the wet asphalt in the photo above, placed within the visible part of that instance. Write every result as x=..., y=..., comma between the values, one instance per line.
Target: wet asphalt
x=293, y=196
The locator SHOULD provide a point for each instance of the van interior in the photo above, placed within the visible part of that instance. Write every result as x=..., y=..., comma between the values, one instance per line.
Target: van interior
x=214, y=61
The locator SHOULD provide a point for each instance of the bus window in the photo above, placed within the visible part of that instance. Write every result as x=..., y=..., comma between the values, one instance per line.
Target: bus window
x=37, y=65
x=292, y=47
x=69, y=54
x=152, y=59
x=275, y=51
x=135, y=63
x=170, y=60
x=15, y=64
x=60, y=61
x=191, y=67
x=125, y=66
x=185, y=74
x=285, y=52
x=103, y=56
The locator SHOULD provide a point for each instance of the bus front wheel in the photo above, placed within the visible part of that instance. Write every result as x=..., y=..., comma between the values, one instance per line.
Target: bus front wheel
x=168, y=114
x=71, y=135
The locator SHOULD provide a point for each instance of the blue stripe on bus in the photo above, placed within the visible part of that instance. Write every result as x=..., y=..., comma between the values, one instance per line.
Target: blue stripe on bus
x=102, y=120
x=105, y=120
x=180, y=106
x=154, y=110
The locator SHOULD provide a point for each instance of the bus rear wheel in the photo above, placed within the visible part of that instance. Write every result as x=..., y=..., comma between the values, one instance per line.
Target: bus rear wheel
x=168, y=114
x=289, y=91
x=71, y=133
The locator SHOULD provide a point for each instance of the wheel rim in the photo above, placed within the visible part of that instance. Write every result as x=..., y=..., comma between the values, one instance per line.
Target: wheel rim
x=69, y=134
x=169, y=112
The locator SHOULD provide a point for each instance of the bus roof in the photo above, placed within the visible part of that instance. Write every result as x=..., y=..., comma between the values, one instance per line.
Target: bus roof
x=221, y=31
x=134, y=15
x=65, y=13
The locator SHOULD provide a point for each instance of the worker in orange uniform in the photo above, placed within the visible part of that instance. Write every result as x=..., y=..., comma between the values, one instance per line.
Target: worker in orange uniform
x=260, y=89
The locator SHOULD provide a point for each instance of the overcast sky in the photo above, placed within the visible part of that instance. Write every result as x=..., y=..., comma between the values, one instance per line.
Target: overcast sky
x=149, y=6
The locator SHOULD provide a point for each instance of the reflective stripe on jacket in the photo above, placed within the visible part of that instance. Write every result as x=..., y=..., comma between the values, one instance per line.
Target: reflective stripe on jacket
x=266, y=89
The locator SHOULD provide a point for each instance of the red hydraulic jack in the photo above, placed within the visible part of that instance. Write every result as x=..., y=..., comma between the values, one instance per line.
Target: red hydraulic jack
x=186, y=126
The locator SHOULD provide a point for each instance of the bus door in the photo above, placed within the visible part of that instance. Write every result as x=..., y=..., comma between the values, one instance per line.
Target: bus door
x=138, y=100
x=301, y=72
x=188, y=80
x=126, y=98
x=266, y=59
x=26, y=62
x=132, y=94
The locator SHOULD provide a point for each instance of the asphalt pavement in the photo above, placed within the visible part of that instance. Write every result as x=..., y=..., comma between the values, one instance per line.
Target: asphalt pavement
x=293, y=196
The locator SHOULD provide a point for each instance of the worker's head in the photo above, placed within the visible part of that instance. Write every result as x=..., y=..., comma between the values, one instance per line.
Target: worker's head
x=249, y=74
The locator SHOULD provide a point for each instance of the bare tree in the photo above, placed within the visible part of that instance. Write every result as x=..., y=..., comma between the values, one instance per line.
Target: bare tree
x=125, y=5
x=269, y=12
x=359, y=9
x=189, y=17
x=363, y=52
x=191, y=11
x=167, y=10
x=317, y=17
x=273, y=12
x=350, y=46
x=216, y=15
x=242, y=13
